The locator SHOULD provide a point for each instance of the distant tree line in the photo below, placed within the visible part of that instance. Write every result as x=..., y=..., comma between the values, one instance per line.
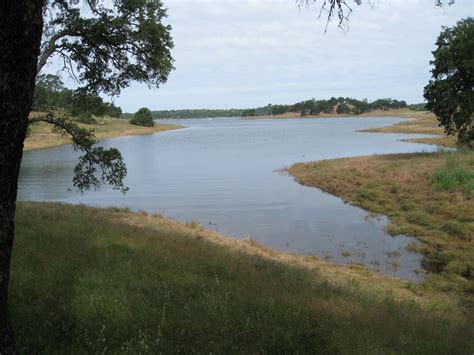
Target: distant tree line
x=313, y=107
x=339, y=105
x=197, y=113
x=51, y=95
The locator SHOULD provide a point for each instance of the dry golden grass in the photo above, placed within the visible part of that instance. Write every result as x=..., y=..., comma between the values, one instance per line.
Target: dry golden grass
x=422, y=122
x=41, y=136
x=400, y=187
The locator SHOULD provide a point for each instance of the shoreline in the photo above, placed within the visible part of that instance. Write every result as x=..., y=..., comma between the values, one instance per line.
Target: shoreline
x=41, y=136
x=372, y=283
x=348, y=270
x=406, y=113
x=108, y=278
x=400, y=187
x=417, y=122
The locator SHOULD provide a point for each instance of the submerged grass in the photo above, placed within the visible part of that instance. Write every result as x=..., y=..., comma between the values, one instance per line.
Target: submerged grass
x=426, y=195
x=90, y=280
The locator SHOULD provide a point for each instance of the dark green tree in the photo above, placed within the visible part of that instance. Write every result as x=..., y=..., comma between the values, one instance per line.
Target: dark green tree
x=112, y=110
x=315, y=110
x=83, y=106
x=143, y=117
x=47, y=92
x=342, y=108
x=104, y=45
x=450, y=94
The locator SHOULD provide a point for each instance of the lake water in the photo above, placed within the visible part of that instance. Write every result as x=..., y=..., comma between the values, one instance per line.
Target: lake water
x=224, y=174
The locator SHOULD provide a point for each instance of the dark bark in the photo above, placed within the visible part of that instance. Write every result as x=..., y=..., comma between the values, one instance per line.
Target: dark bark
x=21, y=27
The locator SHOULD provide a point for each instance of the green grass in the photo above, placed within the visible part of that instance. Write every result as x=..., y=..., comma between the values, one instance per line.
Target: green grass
x=453, y=176
x=86, y=281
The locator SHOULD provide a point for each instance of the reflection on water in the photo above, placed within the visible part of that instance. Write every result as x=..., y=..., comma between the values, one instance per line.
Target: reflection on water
x=224, y=174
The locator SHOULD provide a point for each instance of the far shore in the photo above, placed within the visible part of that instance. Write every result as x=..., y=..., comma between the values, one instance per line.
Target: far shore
x=42, y=137
x=407, y=113
x=419, y=122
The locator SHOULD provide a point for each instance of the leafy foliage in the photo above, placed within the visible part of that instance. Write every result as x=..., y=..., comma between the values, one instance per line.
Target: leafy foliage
x=50, y=94
x=417, y=107
x=343, y=108
x=105, y=47
x=450, y=92
x=143, y=117
x=98, y=165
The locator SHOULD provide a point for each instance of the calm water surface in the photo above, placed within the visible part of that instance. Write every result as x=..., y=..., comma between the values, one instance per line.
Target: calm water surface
x=224, y=173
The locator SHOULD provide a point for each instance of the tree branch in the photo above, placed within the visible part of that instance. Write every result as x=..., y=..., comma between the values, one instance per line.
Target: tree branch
x=50, y=48
x=97, y=166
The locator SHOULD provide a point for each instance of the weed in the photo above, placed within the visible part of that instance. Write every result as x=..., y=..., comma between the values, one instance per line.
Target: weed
x=455, y=175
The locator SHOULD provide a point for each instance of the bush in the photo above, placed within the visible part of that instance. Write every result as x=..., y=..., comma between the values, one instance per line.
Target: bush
x=86, y=118
x=143, y=117
x=454, y=176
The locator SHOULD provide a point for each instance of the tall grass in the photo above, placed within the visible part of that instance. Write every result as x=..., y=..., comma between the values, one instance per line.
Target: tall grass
x=453, y=176
x=83, y=282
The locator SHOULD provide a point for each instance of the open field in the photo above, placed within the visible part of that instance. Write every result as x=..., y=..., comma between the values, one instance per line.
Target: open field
x=90, y=280
x=429, y=196
x=41, y=137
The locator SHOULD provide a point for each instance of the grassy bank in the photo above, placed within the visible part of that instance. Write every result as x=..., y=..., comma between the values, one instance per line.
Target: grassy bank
x=429, y=196
x=421, y=122
x=106, y=280
x=41, y=136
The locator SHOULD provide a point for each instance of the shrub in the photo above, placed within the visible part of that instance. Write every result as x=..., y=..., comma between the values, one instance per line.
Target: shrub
x=143, y=117
x=86, y=118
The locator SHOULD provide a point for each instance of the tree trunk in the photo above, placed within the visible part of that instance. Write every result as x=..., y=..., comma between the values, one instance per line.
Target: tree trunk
x=21, y=27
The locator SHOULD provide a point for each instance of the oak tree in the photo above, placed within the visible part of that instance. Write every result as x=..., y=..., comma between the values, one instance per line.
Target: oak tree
x=104, y=45
x=143, y=117
x=450, y=94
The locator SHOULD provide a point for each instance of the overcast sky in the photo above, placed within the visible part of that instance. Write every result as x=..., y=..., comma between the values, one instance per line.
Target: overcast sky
x=247, y=53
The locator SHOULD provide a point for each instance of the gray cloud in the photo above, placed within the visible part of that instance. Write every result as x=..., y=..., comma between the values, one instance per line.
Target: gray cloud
x=253, y=52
